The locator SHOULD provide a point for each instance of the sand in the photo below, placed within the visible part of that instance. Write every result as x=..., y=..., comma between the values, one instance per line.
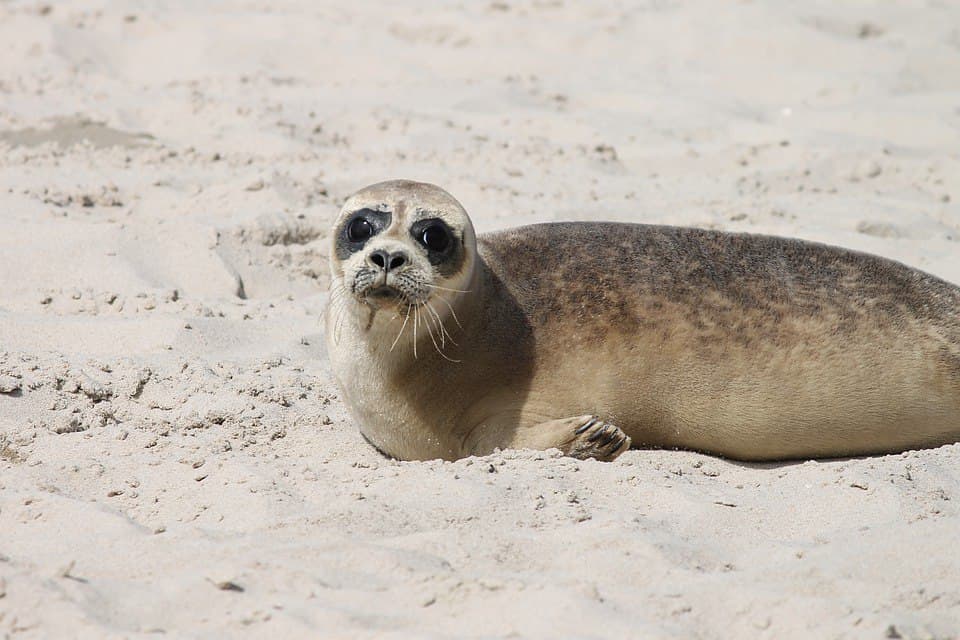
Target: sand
x=174, y=456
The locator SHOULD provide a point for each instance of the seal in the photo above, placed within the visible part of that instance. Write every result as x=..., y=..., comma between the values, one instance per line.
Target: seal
x=592, y=336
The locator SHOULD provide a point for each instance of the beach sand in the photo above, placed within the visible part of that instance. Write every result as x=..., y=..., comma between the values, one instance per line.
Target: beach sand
x=174, y=456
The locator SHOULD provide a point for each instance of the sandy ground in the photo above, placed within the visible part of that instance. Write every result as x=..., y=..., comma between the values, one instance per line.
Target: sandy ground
x=174, y=457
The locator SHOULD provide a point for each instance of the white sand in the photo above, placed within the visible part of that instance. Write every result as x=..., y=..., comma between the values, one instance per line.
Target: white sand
x=163, y=440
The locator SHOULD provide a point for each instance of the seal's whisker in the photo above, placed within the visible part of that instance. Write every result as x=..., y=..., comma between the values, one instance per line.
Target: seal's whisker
x=416, y=318
x=434, y=341
x=436, y=286
x=443, y=329
x=452, y=312
x=402, y=327
x=337, y=312
x=340, y=309
x=337, y=322
x=426, y=322
x=433, y=316
x=444, y=334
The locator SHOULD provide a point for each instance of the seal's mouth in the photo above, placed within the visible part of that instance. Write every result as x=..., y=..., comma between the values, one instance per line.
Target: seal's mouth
x=383, y=291
x=383, y=294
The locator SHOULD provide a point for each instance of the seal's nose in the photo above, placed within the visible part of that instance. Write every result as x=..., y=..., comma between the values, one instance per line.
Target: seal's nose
x=387, y=261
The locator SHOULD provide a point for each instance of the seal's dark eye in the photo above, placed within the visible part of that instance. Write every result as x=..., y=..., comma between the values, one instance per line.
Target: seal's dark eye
x=435, y=238
x=359, y=230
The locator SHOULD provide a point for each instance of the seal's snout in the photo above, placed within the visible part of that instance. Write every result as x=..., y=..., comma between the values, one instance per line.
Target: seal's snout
x=389, y=275
x=388, y=262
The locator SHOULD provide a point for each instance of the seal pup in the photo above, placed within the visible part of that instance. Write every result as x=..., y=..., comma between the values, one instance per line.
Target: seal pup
x=588, y=336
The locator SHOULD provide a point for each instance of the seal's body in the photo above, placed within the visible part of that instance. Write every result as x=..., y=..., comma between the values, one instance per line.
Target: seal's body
x=583, y=336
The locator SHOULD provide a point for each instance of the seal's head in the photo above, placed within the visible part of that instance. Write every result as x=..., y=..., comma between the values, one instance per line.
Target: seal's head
x=398, y=244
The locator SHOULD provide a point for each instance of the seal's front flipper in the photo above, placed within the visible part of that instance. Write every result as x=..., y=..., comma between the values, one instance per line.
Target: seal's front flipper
x=594, y=438
x=578, y=437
